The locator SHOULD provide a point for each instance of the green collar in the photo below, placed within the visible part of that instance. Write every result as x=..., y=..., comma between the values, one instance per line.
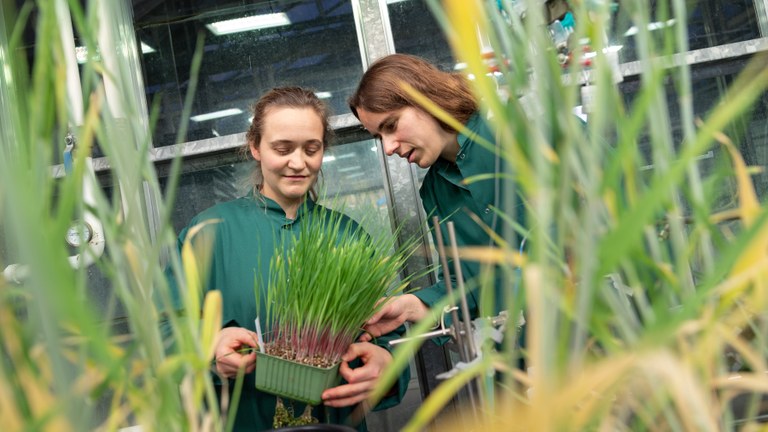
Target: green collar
x=272, y=208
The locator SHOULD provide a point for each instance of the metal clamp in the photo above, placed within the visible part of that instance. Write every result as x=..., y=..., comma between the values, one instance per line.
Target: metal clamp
x=440, y=330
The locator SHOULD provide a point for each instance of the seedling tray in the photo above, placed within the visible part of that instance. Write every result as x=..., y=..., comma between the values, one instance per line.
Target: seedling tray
x=297, y=381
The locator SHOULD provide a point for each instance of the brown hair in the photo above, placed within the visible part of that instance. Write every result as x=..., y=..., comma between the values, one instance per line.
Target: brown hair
x=283, y=97
x=380, y=88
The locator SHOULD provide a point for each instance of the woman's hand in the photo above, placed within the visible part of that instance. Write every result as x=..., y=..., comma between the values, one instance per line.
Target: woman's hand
x=235, y=350
x=360, y=381
x=406, y=307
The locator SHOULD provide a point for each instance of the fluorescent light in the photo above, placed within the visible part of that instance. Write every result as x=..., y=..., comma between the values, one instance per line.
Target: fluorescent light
x=348, y=169
x=355, y=175
x=659, y=25
x=606, y=50
x=248, y=23
x=651, y=26
x=323, y=95
x=146, y=49
x=216, y=114
x=329, y=158
x=81, y=53
x=631, y=31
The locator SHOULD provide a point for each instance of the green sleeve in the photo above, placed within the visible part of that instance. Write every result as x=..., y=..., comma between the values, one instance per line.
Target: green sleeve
x=395, y=396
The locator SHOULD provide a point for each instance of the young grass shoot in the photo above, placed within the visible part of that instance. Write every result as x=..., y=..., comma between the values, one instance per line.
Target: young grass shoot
x=324, y=285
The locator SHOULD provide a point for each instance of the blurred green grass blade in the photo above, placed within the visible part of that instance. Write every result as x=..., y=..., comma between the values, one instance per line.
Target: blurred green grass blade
x=751, y=84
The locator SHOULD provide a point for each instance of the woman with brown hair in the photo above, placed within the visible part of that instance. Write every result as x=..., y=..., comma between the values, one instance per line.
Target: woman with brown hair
x=408, y=130
x=287, y=138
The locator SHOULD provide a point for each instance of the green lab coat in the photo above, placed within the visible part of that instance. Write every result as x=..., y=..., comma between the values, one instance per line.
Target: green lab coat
x=244, y=234
x=444, y=194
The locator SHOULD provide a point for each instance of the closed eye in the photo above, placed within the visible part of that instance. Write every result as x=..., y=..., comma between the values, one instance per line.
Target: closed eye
x=312, y=148
x=389, y=126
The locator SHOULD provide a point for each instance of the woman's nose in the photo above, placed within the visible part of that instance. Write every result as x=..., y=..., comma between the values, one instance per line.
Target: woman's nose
x=296, y=161
x=389, y=145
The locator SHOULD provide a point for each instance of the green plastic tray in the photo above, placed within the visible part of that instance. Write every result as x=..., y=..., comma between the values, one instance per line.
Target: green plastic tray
x=293, y=380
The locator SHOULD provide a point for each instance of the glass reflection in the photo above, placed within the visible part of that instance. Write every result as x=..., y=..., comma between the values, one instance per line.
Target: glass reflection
x=245, y=52
x=353, y=182
x=710, y=23
x=415, y=31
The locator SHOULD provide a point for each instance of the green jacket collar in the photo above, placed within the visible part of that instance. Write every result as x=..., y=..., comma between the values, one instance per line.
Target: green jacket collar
x=273, y=209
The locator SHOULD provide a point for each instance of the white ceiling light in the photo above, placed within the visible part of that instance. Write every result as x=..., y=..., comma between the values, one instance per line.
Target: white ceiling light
x=329, y=158
x=323, y=95
x=146, y=49
x=81, y=52
x=216, y=114
x=607, y=50
x=651, y=26
x=348, y=169
x=248, y=23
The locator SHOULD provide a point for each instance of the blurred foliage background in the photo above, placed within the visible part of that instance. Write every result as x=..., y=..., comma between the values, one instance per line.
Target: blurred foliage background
x=644, y=284
x=66, y=365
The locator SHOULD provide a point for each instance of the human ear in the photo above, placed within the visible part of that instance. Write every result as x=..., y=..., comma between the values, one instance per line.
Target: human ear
x=255, y=152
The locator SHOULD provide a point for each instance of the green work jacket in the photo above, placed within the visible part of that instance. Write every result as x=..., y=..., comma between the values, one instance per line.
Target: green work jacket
x=244, y=233
x=445, y=194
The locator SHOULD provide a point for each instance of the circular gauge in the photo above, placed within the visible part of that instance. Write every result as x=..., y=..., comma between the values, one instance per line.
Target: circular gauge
x=78, y=234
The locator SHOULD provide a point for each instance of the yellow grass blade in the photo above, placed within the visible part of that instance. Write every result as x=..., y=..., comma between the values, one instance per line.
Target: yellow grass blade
x=211, y=323
x=491, y=255
x=749, y=205
x=191, y=257
x=749, y=209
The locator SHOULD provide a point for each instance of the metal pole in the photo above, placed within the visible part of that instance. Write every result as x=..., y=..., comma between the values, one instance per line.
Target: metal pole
x=466, y=320
x=463, y=350
x=462, y=291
